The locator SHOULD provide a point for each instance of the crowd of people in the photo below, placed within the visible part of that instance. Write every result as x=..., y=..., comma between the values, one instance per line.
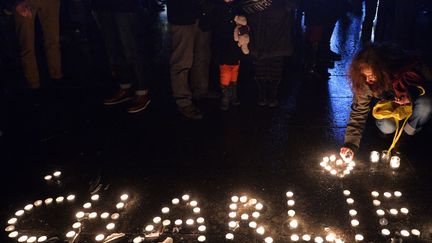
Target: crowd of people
x=266, y=31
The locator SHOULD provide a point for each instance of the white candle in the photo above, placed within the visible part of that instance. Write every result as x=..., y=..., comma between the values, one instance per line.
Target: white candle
x=374, y=156
x=124, y=197
x=100, y=237
x=346, y=192
x=359, y=237
x=355, y=222
x=201, y=238
x=193, y=203
x=70, y=234
x=202, y=228
x=42, y=238
x=353, y=212
x=229, y=236
x=120, y=205
x=405, y=233
x=200, y=220
x=260, y=230
x=185, y=197
x=150, y=227
x=293, y=224
x=175, y=201
x=243, y=199
x=395, y=162
x=291, y=213
x=110, y=226
x=157, y=220
x=234, y=199
x=268, y=240
x=165, y=210
x=253, y=224
x=306, y=237
x=385, y=232
x=95, y=197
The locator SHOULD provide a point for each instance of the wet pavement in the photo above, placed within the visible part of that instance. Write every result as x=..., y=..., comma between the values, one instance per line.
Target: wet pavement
x=158, y=156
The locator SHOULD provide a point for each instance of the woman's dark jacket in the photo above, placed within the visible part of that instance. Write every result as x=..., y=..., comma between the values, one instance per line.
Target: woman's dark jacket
x=271, y=29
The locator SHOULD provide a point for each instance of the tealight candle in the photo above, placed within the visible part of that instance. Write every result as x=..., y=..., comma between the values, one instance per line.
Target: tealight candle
x=48, y=201
x=166, y=222
x=234, y=199
x=115, y=216
x=404, y=210
x=332, y=158
x=290, y=202
x=295, y=237
x=70, y=197
x=326, y=159
x=193, y=203
x=12, y=221
x=330, y=237
x=196, y=210
x=260, y=230
x=28, y=207
x=165, y=210
x=59, y=199
x=387, y=194
x=19, y=213
x=415, y=232
x=306, y=237
x=232, y=215
x=405, y=233
x=289, y=194
x=76, y=225
x=201, y=238
x=394, y=211
x=110, y=226
x=232, y=224
x=293, y=224
x=93, y=215
x=175, y=201
x=256, y=215
x=32, y=239
x=395, y=162
x=352, y=212
x=10, y=228
x=374, y=156
x=202, y=228
x=23, y=238
x=13, y=234
x=339, y=162
x=229, y=236
x=359, y=237
x=87, y=205
x=397, y=194
x=42, y=238
x=253, y=201
x=70, y=234
x=253, y=224
x=120, y=205
x=355, y=222
x=200, y=220
x=157, y=220
x=346, y=192
x=48, y=177
x=268, y=240
x=95, y=197
x=350, y=200
x=38, y=203
x=190, y=222
x=385, y=232
x=375, y=194
x=105, y=215
x=319, y=239
x=124, y=197
x=100, y=237
x=178, y=222
x=57, y=174
x=333, y=172
x=380, y=212
x=185, y=197
x=291, y=213
x=376, y=202
x=243, y=199
x=233, y=206
x=244, y=216
x=138, y=239
x=80, y=215
x=150, y=228
x=259, y=206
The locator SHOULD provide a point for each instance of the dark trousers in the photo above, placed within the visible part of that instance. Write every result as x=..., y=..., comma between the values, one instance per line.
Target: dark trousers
x=369, y=16
x=190, y=58
x=128, y=57
x=48, y=14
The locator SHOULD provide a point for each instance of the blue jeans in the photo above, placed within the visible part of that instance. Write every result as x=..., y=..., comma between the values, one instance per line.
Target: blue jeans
x=422, y=111
x=121, y=33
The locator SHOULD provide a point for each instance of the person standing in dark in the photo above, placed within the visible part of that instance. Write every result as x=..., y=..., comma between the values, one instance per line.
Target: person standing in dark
x=190, y=57
x=271, y=40
x=227, y=52
x=48, y=12
x=368, y=21
x=130, y=60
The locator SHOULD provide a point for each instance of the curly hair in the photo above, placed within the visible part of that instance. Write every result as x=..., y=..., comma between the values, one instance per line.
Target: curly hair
x=383, y=60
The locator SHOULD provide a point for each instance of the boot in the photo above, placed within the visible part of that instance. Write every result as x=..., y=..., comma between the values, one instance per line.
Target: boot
x=225, y=100
x=272, y=93
x=233, y=91
x=262, y=99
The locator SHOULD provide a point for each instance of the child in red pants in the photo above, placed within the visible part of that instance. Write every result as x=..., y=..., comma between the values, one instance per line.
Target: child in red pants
x=227, y=51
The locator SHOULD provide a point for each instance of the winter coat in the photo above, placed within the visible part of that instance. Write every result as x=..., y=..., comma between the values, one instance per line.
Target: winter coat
x=271, y=30
x=404, y=83
x=226, y=49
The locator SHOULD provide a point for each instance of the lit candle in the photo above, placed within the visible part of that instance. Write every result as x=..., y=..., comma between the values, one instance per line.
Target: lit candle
x=201, y=238
x=42, y=238
x=352, y=212
x=346, y=192
x=48, y=177
x=376, y=202
x=404, y=210
x=259, y=206
x=59, y=199
x=124, y=197
x=110, y=226
x=330, y=237
x=232, y=224
x=197, y=210
x=80, y=215
x=256, y=215
x=202, y=228
x=244, y=216
x=157, y=220
x=95, y=197
x=120, y=205
x=13, y=234
x=405, y=233
x=178, y=222
x=115, y=216
x=233, y=206
x=395, y=162
x=319, y=239
x=10, y=228
x=38, y=203
x=70, y=234
x=150, y=227
x=333, y=172
x=260, y=230
x=70, y=197
x=234, y=199
x=374, y=156
x=253, y=201
x=200, y=220
x=175, y=201
x=165, y=210
x=293, y=224
x=380, y=212
x=105, y=215
x=359, y=237
x=229, y=236
x=87, y=205
x=268, y=240
x=185, y=197
x=232, y=215
x=291, y=213
x=57, y=174
x=339, y=162
x=306, y=237
x=137, y=239
x=76, y=225
x=193, y=203
x=19, y=213
x=385, y=232
x=291, y=202
x=333, y=158
x=375, y=194
x=387, y=194
x=243, y=199
x=48, y=201
x=397, y=194
x=355, y=222
x=12, y=221
x=166, y=222
x=326, y=159
x=93, y=215
x=189, y=221
x=28, y=207
x=394, y=211
x=32, y=239
x=295, y=237
x=252, y=224
x=23, y=238
x=100, y=237
x=415, y=232
x=350, y=201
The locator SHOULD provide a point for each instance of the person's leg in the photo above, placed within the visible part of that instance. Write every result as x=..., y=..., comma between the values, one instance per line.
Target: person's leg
x=386, y=126
x=233, y=85
x=181, y=63
x=422, y=111
x=201, y=62
x=50, y=23
x=275, y=75
x=225, y=77
x=369, y=16
x=25, y=29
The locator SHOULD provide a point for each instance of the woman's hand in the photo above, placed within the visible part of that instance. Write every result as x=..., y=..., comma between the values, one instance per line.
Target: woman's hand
x=347, y=154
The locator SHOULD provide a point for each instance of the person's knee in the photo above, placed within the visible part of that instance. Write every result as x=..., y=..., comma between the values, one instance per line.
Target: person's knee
x=423, y=107
x=386, y=126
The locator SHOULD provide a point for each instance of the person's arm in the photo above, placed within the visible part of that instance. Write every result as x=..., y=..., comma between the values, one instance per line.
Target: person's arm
x=22, y=8
x=359, y=113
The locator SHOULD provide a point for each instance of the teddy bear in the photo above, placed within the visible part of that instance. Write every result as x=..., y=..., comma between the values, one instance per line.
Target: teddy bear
x=241, y=33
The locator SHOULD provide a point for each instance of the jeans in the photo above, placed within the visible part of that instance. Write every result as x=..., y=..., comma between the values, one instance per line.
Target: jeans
x=120, y=31
x=422, y=111
x=190, y=57
x=48, y=13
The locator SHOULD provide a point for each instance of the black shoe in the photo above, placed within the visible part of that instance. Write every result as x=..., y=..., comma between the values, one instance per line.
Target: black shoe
x=191, y=112
x=121, y=96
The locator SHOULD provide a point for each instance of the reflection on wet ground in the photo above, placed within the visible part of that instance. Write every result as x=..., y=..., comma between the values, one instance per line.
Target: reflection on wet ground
x=250, y=151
